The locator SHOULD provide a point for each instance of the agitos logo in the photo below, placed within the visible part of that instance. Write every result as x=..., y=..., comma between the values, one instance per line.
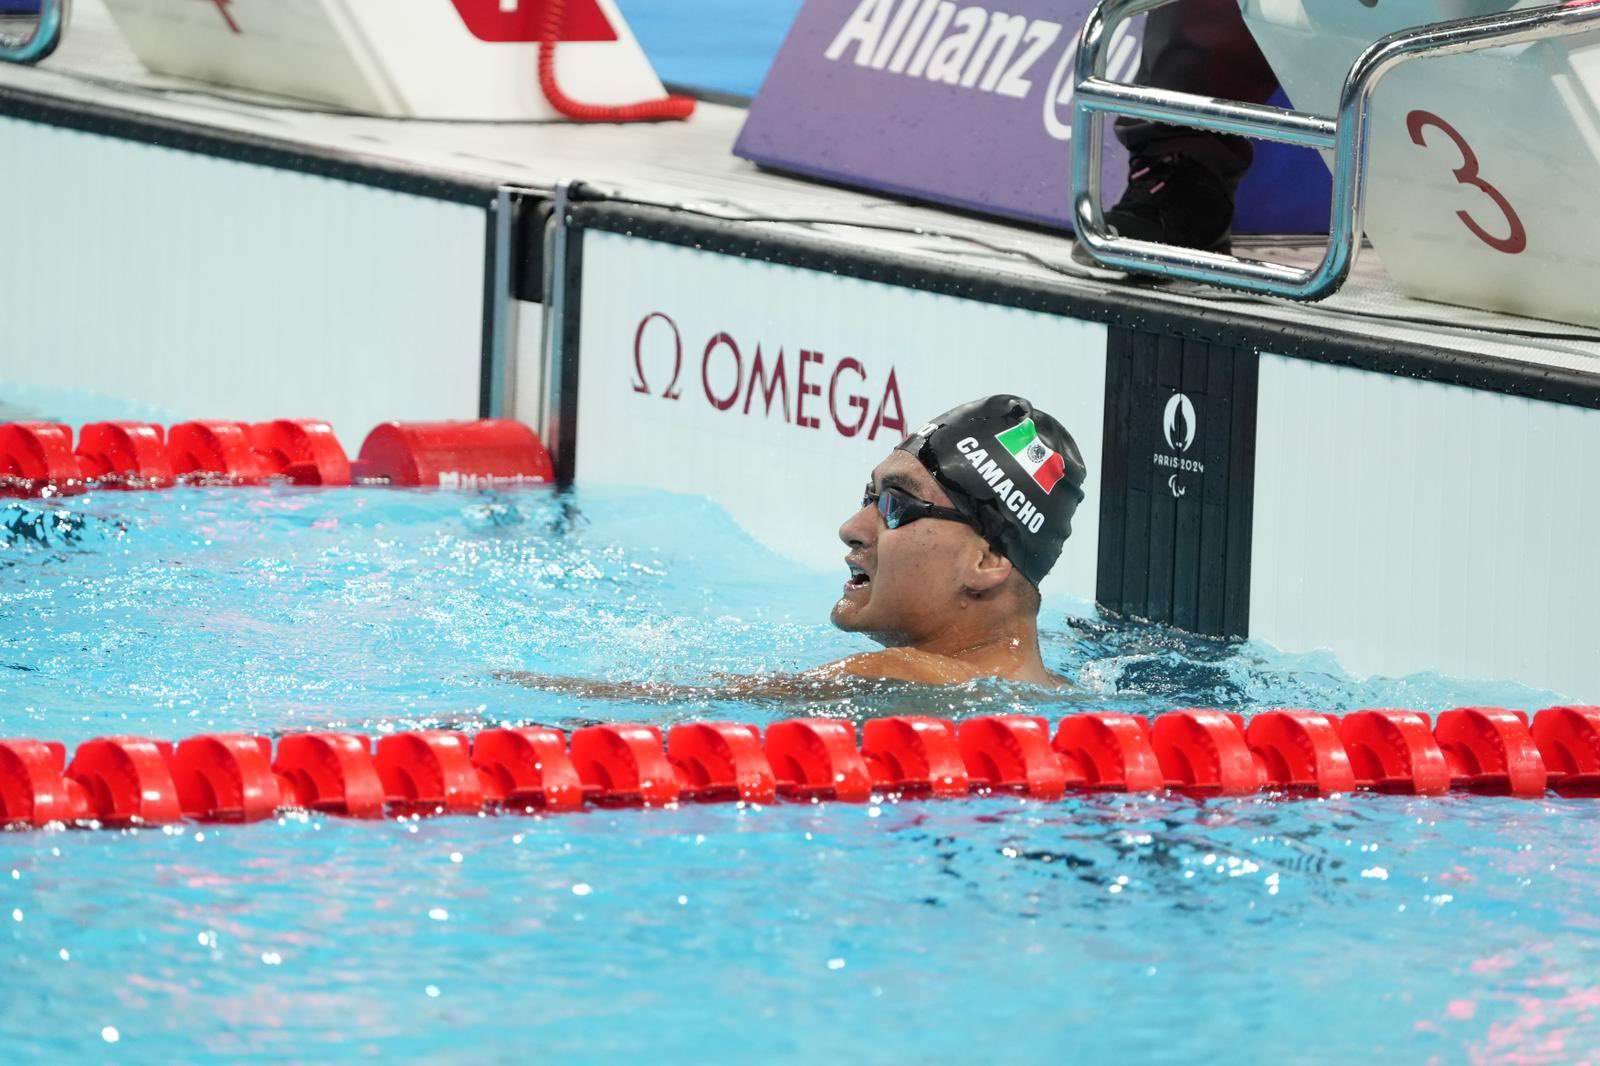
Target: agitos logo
x=735, y=379
x=1179, y=425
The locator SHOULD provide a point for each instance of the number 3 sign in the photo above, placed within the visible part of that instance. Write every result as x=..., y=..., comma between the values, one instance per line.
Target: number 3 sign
x=1514, y=242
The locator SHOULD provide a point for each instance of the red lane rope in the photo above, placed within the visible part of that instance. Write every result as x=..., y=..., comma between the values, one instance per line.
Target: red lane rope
x=134, y=781
x=40, y=458
x=667, y=109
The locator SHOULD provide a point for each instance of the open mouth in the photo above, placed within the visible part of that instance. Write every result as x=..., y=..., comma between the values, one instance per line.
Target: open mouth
x=858, y=579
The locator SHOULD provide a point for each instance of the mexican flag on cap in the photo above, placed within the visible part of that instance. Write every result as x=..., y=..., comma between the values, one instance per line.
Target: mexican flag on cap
x=1043, y=463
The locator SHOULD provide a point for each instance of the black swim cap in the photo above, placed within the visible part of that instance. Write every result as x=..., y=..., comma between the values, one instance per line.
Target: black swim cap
x=1015, y=471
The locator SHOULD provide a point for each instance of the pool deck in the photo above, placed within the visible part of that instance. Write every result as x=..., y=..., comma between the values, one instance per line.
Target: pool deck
x=95, y=82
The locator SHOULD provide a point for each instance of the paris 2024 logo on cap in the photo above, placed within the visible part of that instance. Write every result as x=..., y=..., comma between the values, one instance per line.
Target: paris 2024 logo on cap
x=1179, y=426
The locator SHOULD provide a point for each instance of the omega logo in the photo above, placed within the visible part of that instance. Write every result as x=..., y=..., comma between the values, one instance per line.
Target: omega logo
x=733, y=378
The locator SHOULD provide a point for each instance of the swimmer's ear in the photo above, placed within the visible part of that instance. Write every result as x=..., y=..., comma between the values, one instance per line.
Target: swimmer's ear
x=989, y=573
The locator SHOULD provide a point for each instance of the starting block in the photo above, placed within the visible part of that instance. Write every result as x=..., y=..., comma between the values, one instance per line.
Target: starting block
x=1479, y=166
x=437, y=59
x=1463, y=136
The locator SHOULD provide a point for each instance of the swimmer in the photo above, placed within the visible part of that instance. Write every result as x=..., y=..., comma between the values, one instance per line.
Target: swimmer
x=955, y=531
x=957, y=528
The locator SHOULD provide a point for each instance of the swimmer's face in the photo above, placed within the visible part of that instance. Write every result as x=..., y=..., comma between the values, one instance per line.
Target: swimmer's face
x=906, y=584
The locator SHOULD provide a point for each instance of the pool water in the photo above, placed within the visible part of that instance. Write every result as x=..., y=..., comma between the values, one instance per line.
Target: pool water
x=1140, y=928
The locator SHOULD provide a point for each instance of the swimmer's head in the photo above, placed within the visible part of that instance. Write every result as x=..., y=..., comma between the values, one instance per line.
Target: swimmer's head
x=968, y=515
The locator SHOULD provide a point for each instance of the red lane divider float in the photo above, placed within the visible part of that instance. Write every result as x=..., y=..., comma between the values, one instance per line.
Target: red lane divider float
x=431, y=770
x=493, y=451
x=914, y=755
x=331, y=772
x=304, y=451
x=134, y=781
x=128, y=781
x=36, y=456
x=1568, y=739
x=623, y=766
x=817, y=759
x=1108, y=753
x=213, y=452
x=719, y=761
x=1394, y=751
x=527, y=769
x=1300, y=751
x=1012, y=753
x=124, y=455
x=1491, y=750
x=34, y=788
x=1204, y=753
x=226, y=778
x=39, y=458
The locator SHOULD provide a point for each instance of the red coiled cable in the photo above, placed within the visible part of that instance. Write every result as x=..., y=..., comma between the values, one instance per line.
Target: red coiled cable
x=667, y=109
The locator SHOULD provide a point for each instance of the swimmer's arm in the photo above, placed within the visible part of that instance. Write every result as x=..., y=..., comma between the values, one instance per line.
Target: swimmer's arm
x=834, y=680
x=821, y=683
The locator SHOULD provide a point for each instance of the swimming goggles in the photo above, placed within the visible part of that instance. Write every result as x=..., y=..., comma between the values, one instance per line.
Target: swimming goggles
x=897, y=508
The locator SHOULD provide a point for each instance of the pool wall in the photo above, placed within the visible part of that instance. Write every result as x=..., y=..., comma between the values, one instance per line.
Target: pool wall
x=1414, y=525
x=775, y=390
x=209, y=285
x=1411, y=498
x=1409, y=508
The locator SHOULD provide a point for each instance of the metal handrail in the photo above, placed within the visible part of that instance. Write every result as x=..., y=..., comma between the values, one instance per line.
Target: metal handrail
x=1347, y=137
x=46, y=34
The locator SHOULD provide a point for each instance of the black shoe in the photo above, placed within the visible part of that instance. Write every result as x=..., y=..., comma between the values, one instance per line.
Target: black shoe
x=1174, y=200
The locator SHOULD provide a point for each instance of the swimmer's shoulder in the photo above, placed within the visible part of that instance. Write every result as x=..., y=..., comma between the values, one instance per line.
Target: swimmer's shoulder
x=922, y=667
x=905, y=664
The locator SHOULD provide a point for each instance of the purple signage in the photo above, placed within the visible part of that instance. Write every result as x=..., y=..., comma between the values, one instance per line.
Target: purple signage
x=963, y=105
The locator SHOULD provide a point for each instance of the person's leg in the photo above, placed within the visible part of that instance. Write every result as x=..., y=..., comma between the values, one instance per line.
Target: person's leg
x=1181, y=180
x=1203, y=47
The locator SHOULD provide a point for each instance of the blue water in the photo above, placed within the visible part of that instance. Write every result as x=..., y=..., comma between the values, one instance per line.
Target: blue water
x=1124, y=928
x=1141, y=928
